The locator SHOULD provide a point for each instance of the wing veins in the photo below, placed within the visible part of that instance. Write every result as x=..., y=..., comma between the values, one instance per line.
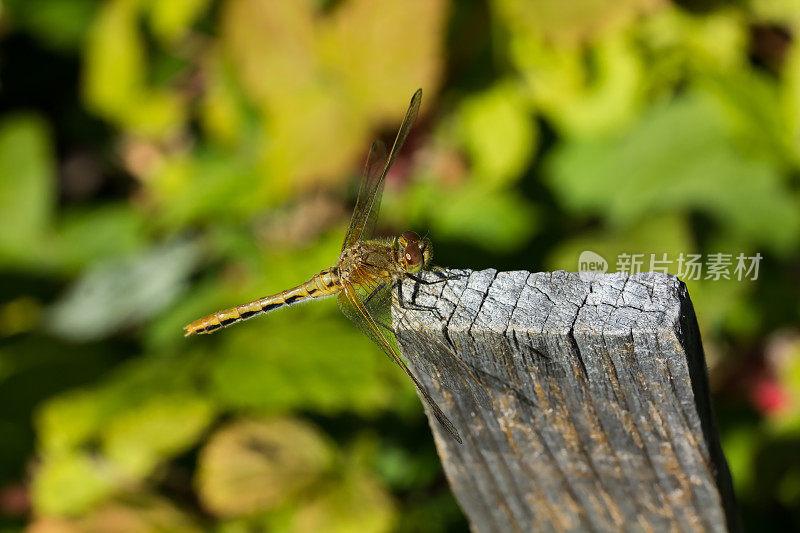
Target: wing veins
x=352, y=296
x=365, y=213
x=451, y=354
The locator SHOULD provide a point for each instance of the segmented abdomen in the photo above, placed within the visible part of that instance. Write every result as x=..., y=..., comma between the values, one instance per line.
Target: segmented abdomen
x=326, y=283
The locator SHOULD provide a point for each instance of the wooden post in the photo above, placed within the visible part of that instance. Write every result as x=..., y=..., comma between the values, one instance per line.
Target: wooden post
x=583, y=404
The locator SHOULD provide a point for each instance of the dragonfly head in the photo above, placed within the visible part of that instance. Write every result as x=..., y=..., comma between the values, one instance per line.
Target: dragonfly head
x=415, y=253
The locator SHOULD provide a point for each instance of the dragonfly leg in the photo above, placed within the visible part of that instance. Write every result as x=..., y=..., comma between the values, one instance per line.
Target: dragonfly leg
x=443, y=276
x=413, y=306
x=422, y=281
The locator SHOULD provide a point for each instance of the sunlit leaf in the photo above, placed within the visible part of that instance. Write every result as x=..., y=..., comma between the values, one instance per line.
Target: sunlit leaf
x=140, y=438
x=67, y=421
x=221, y=110
x=115, y=78
x=791, y=97
x=171, y=19
x=69, y=483
x=315, y=135
x=209, y=184
x=499, y=133
x=776, y=11
x=565, y=23
x=713, y=43
x=322, y=80
x=272, y=45
x=26, y=187
x=115, y=62
x=741, y=450
x=583, y=98
x=749, y=105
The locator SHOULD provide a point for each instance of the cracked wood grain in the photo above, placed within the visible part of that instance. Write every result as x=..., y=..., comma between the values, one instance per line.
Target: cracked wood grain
x=583, y=404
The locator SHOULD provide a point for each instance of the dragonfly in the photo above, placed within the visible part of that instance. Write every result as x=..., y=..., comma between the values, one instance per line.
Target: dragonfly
x=367, y=272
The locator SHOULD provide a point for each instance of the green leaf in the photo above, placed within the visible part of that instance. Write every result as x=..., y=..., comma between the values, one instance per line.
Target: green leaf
x=741, y=444
x=658, y=235
x=68, y=420
x=583, y=97
x=294, y=370
x=114, y=59
x=111, y=231
x=678, y=158
x=566, y=23
x=115, y=83
x=483, y=215
x=749, y=106
x=59, y=24
x=210, y=184
x=171, y=19
x=791, y=97
x=70, y=483
x=717, y=302
x=499, y=133
x=138, y=439
x=26, y=187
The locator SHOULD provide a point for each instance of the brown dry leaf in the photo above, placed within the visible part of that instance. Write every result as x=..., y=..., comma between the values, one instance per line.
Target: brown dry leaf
x=272, y=44
x=141, y=514
x=251, y=466
x=358, y=503
x=384, y=50
x=323, y=80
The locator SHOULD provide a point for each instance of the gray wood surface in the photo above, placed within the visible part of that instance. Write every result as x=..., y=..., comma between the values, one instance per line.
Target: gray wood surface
x=583, y=404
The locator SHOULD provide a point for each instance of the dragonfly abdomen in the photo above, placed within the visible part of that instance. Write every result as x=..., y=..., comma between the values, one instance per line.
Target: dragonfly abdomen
x=326, y=283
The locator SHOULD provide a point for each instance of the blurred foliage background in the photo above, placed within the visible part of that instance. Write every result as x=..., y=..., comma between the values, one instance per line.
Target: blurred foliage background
x=160, y=160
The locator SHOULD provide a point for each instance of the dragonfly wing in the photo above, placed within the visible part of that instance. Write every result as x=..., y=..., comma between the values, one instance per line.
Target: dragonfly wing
x=369, y=193
x=447, y=357
x=351, y=302
x=368, y=203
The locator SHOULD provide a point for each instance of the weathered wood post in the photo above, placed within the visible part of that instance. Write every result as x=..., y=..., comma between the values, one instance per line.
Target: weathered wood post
x=589, y=407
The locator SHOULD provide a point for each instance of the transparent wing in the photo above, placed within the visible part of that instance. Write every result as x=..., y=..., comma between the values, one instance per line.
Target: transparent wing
x=369, y=193
x=446, y=356
x=378, y=295
x=381, y=303
x=368, y=203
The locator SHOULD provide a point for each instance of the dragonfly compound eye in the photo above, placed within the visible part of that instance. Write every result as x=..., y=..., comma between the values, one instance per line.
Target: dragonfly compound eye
x=412, y=254
x=410, y=237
